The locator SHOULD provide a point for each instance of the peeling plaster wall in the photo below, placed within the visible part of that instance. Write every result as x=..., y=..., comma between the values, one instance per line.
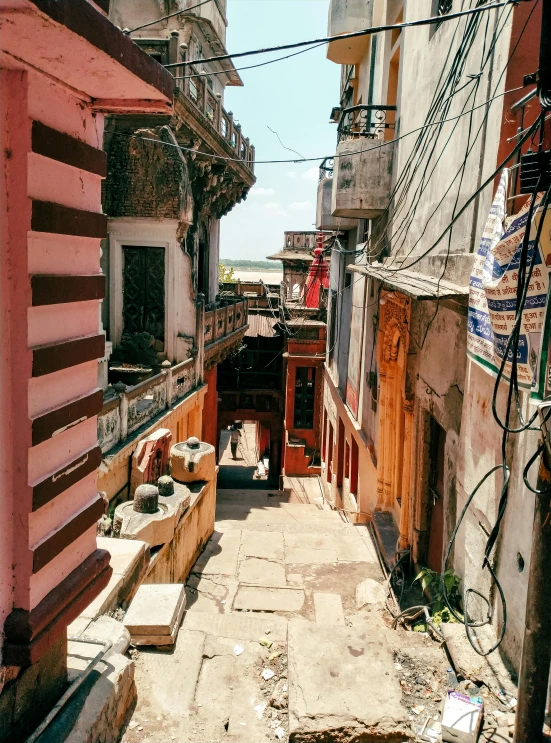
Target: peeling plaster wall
x=435, y=377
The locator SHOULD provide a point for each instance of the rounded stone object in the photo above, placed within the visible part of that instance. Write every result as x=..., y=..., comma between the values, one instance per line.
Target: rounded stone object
x=165, y=485
x=146, y=499
x=192, y=461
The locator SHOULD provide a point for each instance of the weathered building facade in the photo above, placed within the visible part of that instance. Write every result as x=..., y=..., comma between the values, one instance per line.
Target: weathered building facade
x=53, y=108
x=168, y=185
x=408, y=423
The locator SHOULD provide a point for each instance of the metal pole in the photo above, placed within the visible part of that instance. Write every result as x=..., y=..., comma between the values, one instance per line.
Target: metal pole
x=536, y=649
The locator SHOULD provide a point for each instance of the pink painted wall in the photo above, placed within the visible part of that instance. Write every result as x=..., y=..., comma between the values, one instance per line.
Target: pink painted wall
x=15, y=360
x=23, y=327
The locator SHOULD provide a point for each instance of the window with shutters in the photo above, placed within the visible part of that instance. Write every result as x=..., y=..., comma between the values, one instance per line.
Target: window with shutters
x=144, y=291
x=305, y=387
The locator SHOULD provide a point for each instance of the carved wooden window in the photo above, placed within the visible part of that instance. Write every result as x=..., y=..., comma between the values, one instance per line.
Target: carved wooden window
x=144, y=291
x=305, y=388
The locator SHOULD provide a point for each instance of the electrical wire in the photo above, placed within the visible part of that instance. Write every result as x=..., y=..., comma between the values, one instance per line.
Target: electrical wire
x=249, y=67
x=526, y=265
x=386, y=143
x=166, y=17
x=355, y=34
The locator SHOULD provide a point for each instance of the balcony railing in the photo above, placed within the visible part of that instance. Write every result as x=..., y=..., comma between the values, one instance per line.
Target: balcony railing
x=126, y=412
x=326, y=168
x=229, y=314
x=369, y=121
x=197, y=90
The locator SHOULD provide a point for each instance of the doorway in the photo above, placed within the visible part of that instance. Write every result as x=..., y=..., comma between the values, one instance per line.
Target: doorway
x=437, y=450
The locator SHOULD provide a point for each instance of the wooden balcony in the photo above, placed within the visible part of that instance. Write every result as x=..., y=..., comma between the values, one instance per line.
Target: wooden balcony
x=225, y=326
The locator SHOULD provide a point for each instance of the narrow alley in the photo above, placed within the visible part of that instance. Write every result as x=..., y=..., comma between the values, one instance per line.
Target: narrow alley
x=275, y=385
x=283, y=631
x=273, y=637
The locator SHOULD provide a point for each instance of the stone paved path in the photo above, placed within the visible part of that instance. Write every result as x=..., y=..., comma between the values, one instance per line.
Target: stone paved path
x=285, y=589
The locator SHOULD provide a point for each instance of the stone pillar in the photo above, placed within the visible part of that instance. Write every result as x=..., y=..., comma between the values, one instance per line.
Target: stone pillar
x=200, y=337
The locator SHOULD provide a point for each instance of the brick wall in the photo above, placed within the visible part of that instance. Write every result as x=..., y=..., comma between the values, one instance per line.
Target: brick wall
x=145, y=179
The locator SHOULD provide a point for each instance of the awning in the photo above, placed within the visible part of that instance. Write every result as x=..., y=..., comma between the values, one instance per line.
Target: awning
x=261, y=325
x=412, y=284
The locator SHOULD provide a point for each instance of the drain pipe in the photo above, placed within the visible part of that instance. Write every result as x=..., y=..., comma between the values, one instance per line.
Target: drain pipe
x=106, y=646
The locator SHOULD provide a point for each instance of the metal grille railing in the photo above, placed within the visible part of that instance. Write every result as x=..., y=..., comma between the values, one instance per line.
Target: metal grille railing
x=369, y=121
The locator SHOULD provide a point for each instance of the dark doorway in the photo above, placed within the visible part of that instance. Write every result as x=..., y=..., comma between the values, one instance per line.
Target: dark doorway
x=144, y=291
x=203, y=269
x=436, y=496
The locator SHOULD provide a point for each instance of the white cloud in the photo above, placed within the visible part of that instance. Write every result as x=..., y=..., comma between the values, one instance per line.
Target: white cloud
x=292, y=173
x=301, y=206
x=259, y=191
x=274, y=208
x=312, y=174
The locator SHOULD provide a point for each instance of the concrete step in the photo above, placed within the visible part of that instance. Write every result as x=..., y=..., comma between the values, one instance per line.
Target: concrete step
x=343, y=685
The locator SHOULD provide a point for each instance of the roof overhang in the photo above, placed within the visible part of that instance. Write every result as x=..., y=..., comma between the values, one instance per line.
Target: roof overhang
x=412, y=284
x=291, y=256
x=207, y=32
x=73, y=41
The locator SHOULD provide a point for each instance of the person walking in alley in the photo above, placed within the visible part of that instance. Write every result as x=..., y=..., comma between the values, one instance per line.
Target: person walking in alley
x=235, y=435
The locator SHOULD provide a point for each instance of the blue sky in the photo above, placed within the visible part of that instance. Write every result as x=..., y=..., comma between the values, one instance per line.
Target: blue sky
x=293, y=97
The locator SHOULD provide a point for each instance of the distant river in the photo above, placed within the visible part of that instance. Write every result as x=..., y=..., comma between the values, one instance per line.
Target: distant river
x=268, y=277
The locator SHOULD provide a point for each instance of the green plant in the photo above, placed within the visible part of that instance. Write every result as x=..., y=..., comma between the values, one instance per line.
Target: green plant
x=431, y=582
x=225, y=275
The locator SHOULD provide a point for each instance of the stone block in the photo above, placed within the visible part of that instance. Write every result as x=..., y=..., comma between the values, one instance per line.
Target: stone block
x=107, y=628
x=343, y=686
x=155, y=614
x=369, y=592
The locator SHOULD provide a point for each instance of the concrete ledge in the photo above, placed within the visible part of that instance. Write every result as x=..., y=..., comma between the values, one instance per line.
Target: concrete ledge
x=174, y=560
x=129, y=561
x=98, y=708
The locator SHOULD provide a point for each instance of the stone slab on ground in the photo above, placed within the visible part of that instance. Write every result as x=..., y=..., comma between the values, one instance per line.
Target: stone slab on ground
x=343, y=686
x=168, y=680
x=305, y=556
x=329, y=609
x=369, y=592
x=221, y=555
x=257, y=598
x=257, y=572
x=352, y=548
x=468, y=663
x=255, y=544
x=310, y=541
x=155, y=609
x=237, y=626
